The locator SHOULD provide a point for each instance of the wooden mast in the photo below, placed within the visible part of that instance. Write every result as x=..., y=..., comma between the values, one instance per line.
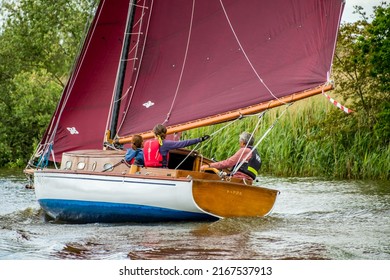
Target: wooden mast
x=233, y=114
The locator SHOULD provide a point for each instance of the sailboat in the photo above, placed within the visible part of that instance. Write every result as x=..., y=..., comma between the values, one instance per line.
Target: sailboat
x=186, y=64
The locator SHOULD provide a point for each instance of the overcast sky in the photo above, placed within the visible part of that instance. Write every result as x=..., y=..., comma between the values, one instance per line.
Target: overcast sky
x=348, y=15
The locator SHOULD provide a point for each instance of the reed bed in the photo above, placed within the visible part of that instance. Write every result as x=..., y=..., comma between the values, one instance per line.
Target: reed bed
x=312, y=139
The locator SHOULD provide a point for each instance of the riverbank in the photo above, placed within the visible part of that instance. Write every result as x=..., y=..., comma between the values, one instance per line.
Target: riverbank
x=304, y=143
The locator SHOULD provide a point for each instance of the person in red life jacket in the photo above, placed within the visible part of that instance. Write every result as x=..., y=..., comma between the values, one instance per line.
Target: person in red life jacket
x=135, y=155
x=250, y=168
x=156, y=151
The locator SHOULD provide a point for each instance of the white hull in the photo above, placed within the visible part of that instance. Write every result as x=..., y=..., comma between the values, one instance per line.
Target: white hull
x=86, y=197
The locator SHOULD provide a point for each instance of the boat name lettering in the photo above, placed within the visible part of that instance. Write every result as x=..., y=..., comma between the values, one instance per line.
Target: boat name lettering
x=234, y=192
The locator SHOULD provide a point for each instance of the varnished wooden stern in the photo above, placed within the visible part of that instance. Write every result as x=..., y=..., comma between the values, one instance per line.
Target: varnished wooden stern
x=227, y=199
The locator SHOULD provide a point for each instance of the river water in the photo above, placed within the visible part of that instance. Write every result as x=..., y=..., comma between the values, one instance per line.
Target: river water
x=312, y=220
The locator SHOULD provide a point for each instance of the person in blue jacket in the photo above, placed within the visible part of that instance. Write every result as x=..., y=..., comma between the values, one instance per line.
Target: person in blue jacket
x=135, y=155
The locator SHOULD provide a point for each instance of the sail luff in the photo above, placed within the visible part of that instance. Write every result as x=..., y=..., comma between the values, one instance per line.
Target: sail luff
x=234, y=114
x=122, y=71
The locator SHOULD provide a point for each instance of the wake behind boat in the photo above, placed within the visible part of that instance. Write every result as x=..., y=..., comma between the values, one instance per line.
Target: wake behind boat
x=186, y=64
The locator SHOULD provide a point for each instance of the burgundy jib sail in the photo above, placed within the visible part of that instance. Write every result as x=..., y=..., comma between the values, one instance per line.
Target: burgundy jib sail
x=184, y=63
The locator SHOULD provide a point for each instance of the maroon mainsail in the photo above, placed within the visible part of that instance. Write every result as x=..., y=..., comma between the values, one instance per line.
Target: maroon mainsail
x=191, y=59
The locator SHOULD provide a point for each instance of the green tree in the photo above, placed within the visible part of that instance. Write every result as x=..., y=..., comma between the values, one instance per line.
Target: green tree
x=362, y=65
x=377, y=47
x=34, y=96
x=44, y=33
x=361, y=70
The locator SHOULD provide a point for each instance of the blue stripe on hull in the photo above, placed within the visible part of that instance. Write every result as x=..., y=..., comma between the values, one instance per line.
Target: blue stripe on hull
x=75, y=211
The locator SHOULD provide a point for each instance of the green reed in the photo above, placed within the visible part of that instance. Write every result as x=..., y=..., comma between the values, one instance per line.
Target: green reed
x=312, y=139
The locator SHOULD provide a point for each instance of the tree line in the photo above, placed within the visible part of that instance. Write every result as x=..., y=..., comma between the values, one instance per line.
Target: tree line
x=39, y=40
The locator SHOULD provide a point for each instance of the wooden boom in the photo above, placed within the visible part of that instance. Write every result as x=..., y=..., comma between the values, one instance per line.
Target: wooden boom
x=231, y=115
